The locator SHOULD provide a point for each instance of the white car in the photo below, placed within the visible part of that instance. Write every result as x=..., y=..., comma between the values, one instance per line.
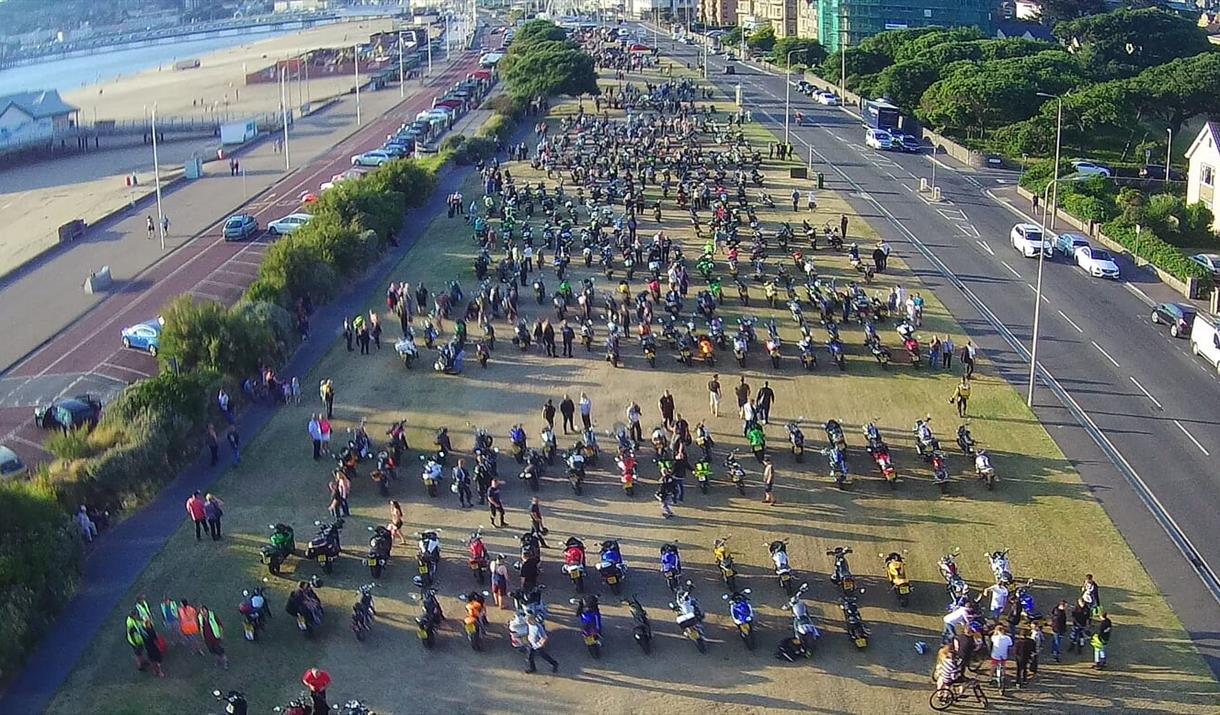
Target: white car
x=372, y=158
x=878, y=139
x=1085, y=167
x=1097, y=262
x=830, y=99
x=288, y=225
x=1210, y=261
x=1027, y=238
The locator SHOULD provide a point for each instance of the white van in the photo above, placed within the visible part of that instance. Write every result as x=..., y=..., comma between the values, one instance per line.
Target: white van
x=1205, y=339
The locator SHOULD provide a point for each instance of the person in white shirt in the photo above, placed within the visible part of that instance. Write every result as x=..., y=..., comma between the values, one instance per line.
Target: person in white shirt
x=999, y=599
x=959, y=616
x=1001, y=646
x=537, y=646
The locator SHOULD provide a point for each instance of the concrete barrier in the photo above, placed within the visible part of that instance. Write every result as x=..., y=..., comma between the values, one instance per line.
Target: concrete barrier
x=99, y=281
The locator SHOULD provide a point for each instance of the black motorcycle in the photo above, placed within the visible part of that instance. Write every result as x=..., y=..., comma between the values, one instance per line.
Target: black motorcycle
x=363, y=612
x=325, y=547
x=641, y=630
x=379, y=550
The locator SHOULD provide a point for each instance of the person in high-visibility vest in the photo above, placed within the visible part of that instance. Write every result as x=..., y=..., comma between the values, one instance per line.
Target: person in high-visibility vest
x=213, y=635
x=188, y=622
x=142, y=637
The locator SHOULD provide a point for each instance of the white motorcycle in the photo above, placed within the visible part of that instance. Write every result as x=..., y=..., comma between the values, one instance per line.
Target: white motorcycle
x=804, y=627
x=690, y=616
x=407, y=352
x=431, y=475
x=1000, y=568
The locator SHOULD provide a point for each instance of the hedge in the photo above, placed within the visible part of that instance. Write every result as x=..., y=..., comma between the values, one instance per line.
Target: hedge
x=1153, y=249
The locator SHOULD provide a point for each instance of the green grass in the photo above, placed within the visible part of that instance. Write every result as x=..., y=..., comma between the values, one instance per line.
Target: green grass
x=1057, y=530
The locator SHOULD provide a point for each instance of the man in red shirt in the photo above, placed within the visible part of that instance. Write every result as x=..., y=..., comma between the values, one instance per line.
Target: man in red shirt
x=195, y=510
x=317, y=680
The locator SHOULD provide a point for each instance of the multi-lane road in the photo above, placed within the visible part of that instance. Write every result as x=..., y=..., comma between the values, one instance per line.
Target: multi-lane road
x=1137, y=414
x=87, y=356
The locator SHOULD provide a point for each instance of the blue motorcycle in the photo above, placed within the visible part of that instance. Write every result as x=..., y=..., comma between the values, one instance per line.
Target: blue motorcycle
x=742, y=613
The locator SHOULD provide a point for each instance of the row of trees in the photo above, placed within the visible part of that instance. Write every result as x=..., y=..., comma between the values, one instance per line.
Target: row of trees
x=543, y=62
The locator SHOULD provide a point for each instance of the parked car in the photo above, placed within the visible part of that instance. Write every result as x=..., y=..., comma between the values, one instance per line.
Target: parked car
x=1210, y=261
x=10, y=464
x=1090, y=168
x=1067, y=242
x=878, y=139
x=1205, y=340
x=371, y=158
x=397, y=151
x=1096, y=262
x=830, y=99
x=1178, y=316
x=907, y=143
x=239, y=227
x=69, y=413
x=730, y=69
x=1157, y=171
x=1029, y=239
x=144, y=336
x=289, y=224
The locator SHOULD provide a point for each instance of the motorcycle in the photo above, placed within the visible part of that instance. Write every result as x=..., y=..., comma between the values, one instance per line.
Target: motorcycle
x=384, y=473
x=896, y=572
x=574, y=562
x=475, y=622
x=742, y=613
x=965, y=441
x=838, y=466
x=477, y=556
x=773, y=344
x=431, y=474
x=834, y=435
x=427, y=557
x=690, y=616
x=363, y=612
x=797, y=439
x=925, y=442
x=517, y=437
x=703, y=474
x=648, y=343
x=626, y=465
x=804, y=627
x=405, y=347
x=575, y=462
x=940, y=472
x=737, y=474
x=588, y=446
x=255, y=612
x=881, y=455
x=549, y=445
x=724, y=562
x=588, y=612
x=281, y=545
x=809, y=360
x=235, y=702
x=534, y=465
x=379, y=551
x=853, y=622
x=955, y=584
x=842, y=576
x=641, y=630
x=325, y=548
x=671, y=566
x=611, y=566
x=430, y=617
x=1000, y=566
x=783, y=571
x=703, y=438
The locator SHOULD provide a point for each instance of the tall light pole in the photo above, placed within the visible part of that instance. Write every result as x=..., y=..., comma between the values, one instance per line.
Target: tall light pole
x=843, y=56
x=1168, y=155
x=157, y=179
x=284, y=109
x=356, y=67
x=402, y=81
x=1048, y=208
x=788, y=92
x=428, y=38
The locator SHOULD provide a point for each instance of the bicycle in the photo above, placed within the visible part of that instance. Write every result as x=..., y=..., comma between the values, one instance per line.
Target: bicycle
x=946, y=697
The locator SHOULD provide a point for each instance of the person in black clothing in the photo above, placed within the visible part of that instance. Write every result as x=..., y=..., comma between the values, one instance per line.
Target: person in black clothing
x=1059, y=616
x=421, y=297
x=666, y=405
x=567, y=408
x=1024, y=651
x=213, y=445
x=548, y=338
x=442, y=441
x=347, y=333
x=762, y=403
x=548, y=413
x=482, y=478
x=568, y=335
x=1080, y=624
x=529, y=573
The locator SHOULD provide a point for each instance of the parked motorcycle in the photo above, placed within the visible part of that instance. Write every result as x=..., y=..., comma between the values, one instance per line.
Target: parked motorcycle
x=478, y=558
x=724, y=561
x=641, y=630
x=281, y=545
x=896, y=572
x=432, y=473
x=690, y=616
x=804, y=627
x=611, y=566
x=379, y=550
x=475, y=622
x=842, y=576
x=325, y=547
x=574, y=562
x=363, y=612
x=737, y=474
x=671, y=565
x=742, y=613
x=588, y=613
x=430, y=617
x=783, y=571
x=427, y=558
x=853, y=622
x=254, y=611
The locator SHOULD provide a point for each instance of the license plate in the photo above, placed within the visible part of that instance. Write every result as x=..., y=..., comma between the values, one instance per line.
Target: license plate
x=574, y=575
x=301, y=622
x=422, y=633
x=692, y=634
x=474, y=567
x=590, y=640
x=470, y=628
x=612, y=579
x=861, y=642
x=798, y=450
x=730, y=572
x=423, y=569
x=321, y=559
x=849, y=585
x=745, y=628
x=904, y=590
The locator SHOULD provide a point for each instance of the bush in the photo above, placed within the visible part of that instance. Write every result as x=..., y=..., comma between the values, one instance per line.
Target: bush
x=206, y=335
x=474, y=150
x=506, y=105
x=452, y=142
x=1152, y=248
x=1089, y=208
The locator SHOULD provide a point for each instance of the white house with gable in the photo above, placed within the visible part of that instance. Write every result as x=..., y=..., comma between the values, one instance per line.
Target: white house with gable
x=1204, y=173
x=29, y=117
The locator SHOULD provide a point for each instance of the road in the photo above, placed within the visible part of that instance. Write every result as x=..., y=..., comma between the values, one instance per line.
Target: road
x=1119, y=396
x=86, y=356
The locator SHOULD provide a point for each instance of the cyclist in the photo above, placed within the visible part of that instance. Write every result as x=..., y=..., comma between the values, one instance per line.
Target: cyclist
x=1001, y=646
x=948, y=670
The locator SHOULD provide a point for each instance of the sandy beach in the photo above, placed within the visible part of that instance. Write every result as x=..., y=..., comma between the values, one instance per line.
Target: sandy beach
x=218, y=84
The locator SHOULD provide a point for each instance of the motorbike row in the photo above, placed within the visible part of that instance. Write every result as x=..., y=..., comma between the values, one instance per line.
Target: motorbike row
x=235, y=703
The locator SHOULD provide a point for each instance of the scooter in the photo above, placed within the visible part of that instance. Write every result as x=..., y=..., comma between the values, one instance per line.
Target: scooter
x=430, y=617
x=611, y=566
x=588, y=612
x=641, y=630
x=363, y=612
x=742, y=613
x=574, y=562
x=325, y=547
x=255, y=612
x=379, y=551
x=842, y=576
x=724, y=561
x=690, y=616
x=783, y=571
x=671, y=566
x=478, y=558
x=896, y=572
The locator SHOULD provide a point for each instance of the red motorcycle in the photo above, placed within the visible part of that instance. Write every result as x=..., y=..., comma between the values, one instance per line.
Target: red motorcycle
x=574, y=562
x=478, y=558
x=626, y=465
x=881, y=455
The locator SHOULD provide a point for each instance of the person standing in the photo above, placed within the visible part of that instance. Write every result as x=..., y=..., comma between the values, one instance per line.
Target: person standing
x=495, y=503
x=213, y=443
x=315, y=435
x=763, y=402
x=666, y=405
x=548, y=338
x=317, y=681
x=713, y=395
x=234, y=444
x=213, y=635
x=961, y=396
x=188, y=621
x=1024, y=651
x=461, y=478
x=634, y=431
x=343, y=488
x=999, y=598
x=169, y=616
x=1090, y=594
x=1059, y=616
x=1101, y=640
x=568, y=335
x=548, y=413
x=768, y=480
x=537, y=638
x=536, y=526
x=586, y=411
x=324, y=426
x=742, y=392
x=946, y=353
x=1001, y=648
x=213, y=509
x=1081, y=616
x=811, y=200
x=326, y=390
x=934, y=352
x=195, y=510
x=843, y=226
x=796, y=200
x=222, y=402
x=968, y=354
x=567, y=409
x=138, y=639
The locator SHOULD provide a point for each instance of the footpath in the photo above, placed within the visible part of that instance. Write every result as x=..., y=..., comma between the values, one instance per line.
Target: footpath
x=122, y=554
x=45, y=296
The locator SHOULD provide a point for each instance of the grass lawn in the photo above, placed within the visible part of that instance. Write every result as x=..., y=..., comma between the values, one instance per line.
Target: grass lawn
x=1040, y=509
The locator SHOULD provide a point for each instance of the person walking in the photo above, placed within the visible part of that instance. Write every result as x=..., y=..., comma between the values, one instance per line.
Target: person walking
x=461, y=478
x=169, y=616
x=586, y=411
x=569, y=336
x=961, y=396
x=666, y=406
x=188, y=621
x=843, y=226
x=567, y=409
x=499, y=581
x=326, y=390
x=713, y=395
x=548, y=338
x=315, y=436
x=536, y=646
x=213, y=509
x=222, y=402
x=1101, y=641
x=143, y=644
x=348, y=333
x=811, y=200
x=495, y=503
x=396, y=522
x=234, y=444
x=768, y=480
x=1059, y=618
x=946, y=353
x=195, y=510
x=548, y=413
x=213, y=635
x=343, y=489
x=968, y=354
x=165, y=224
x=763, y=402
x=536, y=526
x=317, y=681
x=796, y=200
x=213, y=443
x=152, y=227
x=742, y=392
x=934, y=352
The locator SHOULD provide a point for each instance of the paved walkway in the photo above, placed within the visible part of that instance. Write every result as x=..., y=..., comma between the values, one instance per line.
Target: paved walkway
x=122, y=554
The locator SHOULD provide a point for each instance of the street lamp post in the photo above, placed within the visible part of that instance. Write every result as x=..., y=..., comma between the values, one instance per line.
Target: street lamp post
x=788, y=92
x=157, y=179
x=1049, y=208
x=356, y=67
x=935, y=146
x=284, y=110
x=402, y=82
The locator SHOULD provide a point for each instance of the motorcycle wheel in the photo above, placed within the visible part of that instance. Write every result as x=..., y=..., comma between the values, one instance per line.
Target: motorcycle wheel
x=904, y=600
x=894, y=483
x=842, y=364
x=788, y=586
x=741, y=362
x=375, y=572
x=476, y=641
x=652, y=362
x=990, y=482
x=731, y=583
x=478, y=575
x=630, y=491
x=273, y=567
x=944, y=487
x=775, y=361
x=580, y=584
x=429, y=640
x=360, y=633
x=645, y=644
x=432, y=490
x=328, y=565
x=741, y=488
x=749, y=638
x=701, y=644
x=595, y=650
x=703, y=487
x=799, y=456
x=616, y=587
x=534, y=484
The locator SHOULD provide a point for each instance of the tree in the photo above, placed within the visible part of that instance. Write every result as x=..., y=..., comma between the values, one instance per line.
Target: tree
x=552, y=71
x=537, y=31
x=904, y=83
x=860, y=62
x=1181, y=89
x=804, y=51
x=1055, y=11
x=919, y=44
x=893, y=42
x=733, y=38
x=1124, y=42
x=763, y=39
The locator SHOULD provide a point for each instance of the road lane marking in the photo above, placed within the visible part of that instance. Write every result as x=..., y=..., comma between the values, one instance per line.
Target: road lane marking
x=1102, y=350
x=1147, y=394
x=1192, y=438
x=1139, y=294
x=983, y=245
x=1073, y=324
x=1034, y=290
x=1010, y=268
